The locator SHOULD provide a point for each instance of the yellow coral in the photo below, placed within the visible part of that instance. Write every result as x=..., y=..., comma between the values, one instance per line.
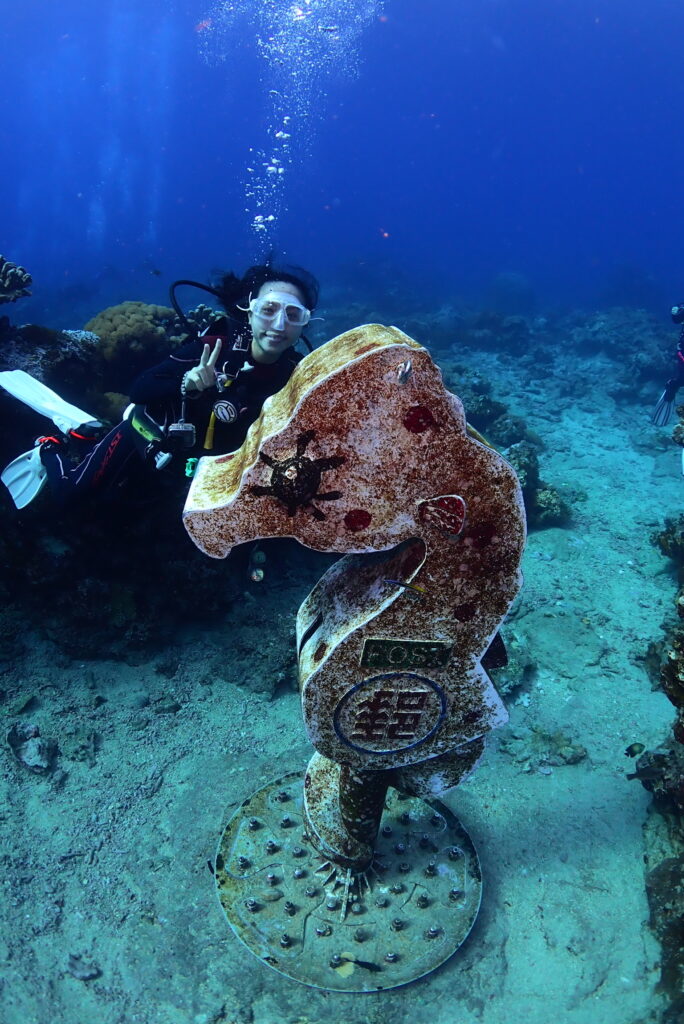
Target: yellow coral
x=131, y=326
x=133, y=337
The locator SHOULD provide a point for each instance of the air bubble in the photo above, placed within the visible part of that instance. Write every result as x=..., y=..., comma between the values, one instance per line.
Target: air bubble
x=299, y=45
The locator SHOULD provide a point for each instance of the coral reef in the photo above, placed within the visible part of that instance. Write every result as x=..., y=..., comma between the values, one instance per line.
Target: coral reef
x=549, y=509
x=126, y=575
x=61, y=359
x=670, y=663
x=670, y=540
x=94, y=368
x=133, y=336
x=520, y=446
x=201, y=317
x=631, y=348
x=672, y=674
x=131, y=326
x=121, y=580
x=15, y=282
x=544, y=505
x=665, y=891
x=489, y=330
x=661, y=772
x=641, y=344
x=517, y=668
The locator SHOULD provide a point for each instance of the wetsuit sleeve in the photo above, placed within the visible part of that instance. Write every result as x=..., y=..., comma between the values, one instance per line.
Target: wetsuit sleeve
x=163, y=381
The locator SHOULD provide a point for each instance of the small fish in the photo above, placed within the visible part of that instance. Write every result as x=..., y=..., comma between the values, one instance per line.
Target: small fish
x=419, y=591
x=404, y=371
x=203, y=26
x=634, y=749
x=648, y=774
x=155, y=272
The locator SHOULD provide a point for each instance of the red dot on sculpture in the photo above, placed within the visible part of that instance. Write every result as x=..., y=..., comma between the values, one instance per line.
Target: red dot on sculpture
x=418, y=418
x=357, y=519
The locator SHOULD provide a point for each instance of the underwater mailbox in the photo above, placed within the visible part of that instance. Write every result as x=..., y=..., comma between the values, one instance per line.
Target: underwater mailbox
x=366, y=453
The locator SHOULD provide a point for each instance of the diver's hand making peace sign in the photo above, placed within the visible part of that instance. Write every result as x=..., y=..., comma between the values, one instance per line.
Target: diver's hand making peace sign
x=203, y=375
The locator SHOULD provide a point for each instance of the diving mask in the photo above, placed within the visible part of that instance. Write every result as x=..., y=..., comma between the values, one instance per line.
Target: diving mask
x=278, y=307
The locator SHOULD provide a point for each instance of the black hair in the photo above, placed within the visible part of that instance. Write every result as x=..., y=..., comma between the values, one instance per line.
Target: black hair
x=234, y=291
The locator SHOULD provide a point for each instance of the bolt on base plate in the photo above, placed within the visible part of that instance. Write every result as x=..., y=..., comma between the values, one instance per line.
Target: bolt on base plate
x=323, y=925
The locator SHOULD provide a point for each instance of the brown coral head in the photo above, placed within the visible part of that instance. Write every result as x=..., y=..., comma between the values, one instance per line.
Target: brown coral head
x=678, y=728
x=14, y=281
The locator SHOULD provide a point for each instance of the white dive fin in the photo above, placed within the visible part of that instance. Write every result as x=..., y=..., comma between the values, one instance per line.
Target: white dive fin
x=24, y=477
x=38, y=396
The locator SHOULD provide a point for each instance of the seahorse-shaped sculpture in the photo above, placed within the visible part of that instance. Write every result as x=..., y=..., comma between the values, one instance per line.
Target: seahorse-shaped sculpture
x=365, y=452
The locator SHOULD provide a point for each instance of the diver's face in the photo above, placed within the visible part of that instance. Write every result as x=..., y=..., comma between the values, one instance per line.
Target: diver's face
x=271, y=336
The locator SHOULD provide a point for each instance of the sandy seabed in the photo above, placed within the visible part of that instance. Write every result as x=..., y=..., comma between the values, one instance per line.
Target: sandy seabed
x=109, y=909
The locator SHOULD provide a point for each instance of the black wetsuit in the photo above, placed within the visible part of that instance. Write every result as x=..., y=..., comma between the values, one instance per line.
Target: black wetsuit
x=242, y=382
x=159, y=389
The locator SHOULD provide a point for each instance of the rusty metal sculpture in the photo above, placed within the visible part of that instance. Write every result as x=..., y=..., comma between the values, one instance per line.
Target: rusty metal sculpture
x=366, y=453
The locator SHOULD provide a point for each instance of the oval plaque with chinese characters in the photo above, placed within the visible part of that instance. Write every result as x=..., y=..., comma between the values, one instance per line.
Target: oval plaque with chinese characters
x=391, y=712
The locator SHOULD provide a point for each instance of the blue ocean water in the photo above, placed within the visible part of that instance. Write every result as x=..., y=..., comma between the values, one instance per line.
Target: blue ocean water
x=438, y=165
x=534, y=136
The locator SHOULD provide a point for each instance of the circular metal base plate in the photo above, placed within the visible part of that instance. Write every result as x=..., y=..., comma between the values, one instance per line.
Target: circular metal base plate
x=330, y=928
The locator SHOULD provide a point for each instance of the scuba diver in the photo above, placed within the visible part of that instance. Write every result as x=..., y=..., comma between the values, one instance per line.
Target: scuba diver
x=201, y=399
x=665, y=405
